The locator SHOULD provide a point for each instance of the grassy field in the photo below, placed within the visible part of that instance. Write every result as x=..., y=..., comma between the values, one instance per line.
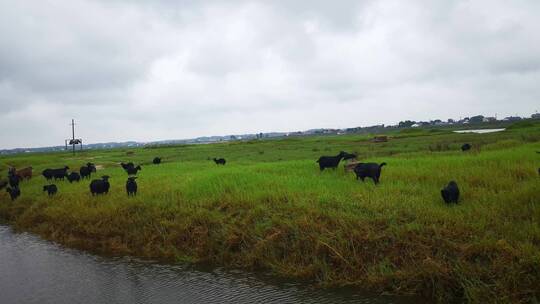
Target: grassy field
x=270, y=208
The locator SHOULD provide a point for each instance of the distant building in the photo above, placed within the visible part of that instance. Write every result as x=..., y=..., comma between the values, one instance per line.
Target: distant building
x=512, y=118
x=489, y=119
x=535, y=116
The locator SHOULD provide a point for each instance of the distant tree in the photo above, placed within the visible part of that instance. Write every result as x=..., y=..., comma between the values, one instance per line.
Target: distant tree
x=406, y=124
x=476, y=119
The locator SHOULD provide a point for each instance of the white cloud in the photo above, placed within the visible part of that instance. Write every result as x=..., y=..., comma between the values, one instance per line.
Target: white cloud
x=134, y=70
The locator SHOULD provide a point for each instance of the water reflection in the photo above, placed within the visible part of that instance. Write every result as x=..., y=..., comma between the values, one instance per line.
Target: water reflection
x=37, y=271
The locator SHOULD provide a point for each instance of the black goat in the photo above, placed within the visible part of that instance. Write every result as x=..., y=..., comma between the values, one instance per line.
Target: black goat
x=330, y=161
x=55, y=173
x=100, y=186
x=51, y=189
x=13, y=180
x=466, y=147
x=133, y=170
x=157, y=160
x=13, y=192
x=371, y=170
x=347, y=156
x=86, y=171
x=73, y=177
x=220, y=161
x=127, y=166
x=48, y=174
x=450, y=193
x=131, y=186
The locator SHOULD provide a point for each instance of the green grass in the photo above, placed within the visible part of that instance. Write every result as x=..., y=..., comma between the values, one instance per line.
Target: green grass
x=270, y=208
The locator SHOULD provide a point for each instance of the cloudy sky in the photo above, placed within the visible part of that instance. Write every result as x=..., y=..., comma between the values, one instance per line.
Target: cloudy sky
x=131, y=70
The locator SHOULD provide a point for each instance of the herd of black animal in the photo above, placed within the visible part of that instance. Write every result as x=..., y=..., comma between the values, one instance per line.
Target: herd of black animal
x=97, y=186
x=450, y=193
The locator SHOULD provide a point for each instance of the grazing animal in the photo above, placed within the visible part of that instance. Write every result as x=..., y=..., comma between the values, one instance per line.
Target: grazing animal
x=371, y=170
x=51, y=189
x=157, y=160
x=347, y=156
x=3, y=183
x=330, y=161
x=349, y=166
x=86, y=171
x=48, y=174
x=13, y=192
x=450, y=193
x=131, y=186
x=127, y=166
x=133, y=170
x=25, y=173
x=55, y=173
x=100, y=186
x=466, y=147
x=73, y=177
x=220, y=161
x=13, y=180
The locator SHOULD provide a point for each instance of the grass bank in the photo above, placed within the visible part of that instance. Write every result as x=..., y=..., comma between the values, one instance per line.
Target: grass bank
x=270, y=208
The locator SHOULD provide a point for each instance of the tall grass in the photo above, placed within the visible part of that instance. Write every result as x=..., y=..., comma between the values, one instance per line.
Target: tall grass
x=271, y=208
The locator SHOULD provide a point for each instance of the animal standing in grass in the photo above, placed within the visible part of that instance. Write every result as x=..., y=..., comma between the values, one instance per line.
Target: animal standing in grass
x=14, y=192
x=100, y=186
x=51, y=189
x=23, y=174
x=86, y=171
x=133, y=170
x=466, y=147
x=450, y=193
x=131, y=186
x=371, y=170
x=13, y=180
x=330, y=161
x=57, y=174
x=156, y=160
x=73, y=177
x=220, y=161
x=127, y=166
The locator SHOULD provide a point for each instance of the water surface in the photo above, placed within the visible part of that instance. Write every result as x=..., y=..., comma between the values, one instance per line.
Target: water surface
x=36, y=271
x=479, y=131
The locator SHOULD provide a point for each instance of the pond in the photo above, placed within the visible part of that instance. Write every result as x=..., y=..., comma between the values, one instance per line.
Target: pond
x=480, y=131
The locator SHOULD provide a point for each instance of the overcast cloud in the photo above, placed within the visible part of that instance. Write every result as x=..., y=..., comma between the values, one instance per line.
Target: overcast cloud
x=131, y=70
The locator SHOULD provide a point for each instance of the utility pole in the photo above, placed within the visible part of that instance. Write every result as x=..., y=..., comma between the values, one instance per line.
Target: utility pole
x=73, y=134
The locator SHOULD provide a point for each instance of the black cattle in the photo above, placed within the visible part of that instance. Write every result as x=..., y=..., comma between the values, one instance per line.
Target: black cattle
x=100, y=186
x=220, y=161
x=86, y=171
x=14, y=192
x=157, y=160
x=466, y=147
x=51, y=189
x=73, y=177
x=330, y=161
x=133, y=170
x=450, y=193
x=371, y=170
x=131, y=186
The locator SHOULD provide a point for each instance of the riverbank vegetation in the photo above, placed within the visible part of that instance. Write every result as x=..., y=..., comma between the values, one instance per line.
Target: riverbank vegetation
x=270, y=208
